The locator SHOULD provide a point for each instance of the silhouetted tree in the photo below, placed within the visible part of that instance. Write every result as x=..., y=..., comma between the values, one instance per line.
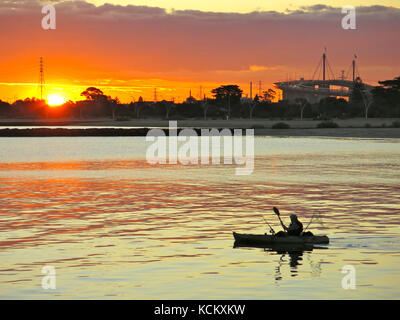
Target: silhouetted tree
x=99, y=104
x=302, y=103
x=386, y=98
x=356, y=100
x=391, y=84
x=30, y=108
x=330, y=107
x=167, y=106
x=367, y=100
x=250, y=105
x=94, y=94
x=138, y=107
x=5, y=108
x=227, y=95
x=269, y=95
x=223, y=92
x=114, y=105
x=205, y=106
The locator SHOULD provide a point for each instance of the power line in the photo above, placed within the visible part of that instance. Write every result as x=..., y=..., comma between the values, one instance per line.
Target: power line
x=41, y=78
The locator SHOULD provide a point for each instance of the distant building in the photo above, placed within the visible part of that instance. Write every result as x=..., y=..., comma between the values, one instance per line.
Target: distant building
x=190, y=99
x=315, y=90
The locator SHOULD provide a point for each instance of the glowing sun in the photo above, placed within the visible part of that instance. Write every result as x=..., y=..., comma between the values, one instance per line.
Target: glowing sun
x=55, y=100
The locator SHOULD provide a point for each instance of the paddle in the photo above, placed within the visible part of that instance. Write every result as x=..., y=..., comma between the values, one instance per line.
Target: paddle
x=278, y=214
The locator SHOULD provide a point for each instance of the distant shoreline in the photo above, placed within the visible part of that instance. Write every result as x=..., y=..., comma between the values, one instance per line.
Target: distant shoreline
x=371, y=133
x=199, y=123
x=349, y=128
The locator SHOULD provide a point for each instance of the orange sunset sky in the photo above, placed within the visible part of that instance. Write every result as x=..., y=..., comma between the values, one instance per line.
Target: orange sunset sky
x=128, y=48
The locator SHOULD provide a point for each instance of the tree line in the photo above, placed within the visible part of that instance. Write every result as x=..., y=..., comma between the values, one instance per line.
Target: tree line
x=227, y=102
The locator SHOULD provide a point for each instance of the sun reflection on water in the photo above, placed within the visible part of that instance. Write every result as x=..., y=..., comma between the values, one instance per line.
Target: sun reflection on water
x=123, y=228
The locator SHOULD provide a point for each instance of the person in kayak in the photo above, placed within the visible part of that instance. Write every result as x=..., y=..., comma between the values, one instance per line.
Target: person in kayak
x=295, y=228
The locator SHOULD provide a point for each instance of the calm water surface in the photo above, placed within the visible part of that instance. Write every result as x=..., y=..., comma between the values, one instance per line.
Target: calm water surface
x=114, y=226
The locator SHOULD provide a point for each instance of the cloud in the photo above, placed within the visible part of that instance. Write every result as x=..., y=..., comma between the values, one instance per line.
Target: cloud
x=127, y=42
x=261, y=68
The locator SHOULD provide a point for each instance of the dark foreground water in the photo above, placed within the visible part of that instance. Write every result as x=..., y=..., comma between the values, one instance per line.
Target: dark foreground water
x=114, y=226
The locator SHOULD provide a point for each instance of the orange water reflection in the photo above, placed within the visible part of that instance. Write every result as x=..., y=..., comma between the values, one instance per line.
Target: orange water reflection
x=140, y=235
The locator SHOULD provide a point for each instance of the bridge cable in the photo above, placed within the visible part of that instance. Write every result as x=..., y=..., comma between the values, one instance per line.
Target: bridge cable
x=318, y=67
x=329, y=68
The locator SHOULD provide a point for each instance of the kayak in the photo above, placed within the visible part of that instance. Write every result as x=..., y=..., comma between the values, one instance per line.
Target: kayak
x=264, y=239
